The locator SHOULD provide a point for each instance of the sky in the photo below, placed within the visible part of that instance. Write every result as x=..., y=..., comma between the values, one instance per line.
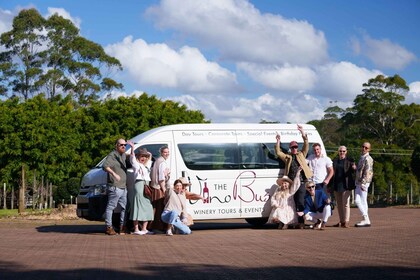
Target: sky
x=240, y=61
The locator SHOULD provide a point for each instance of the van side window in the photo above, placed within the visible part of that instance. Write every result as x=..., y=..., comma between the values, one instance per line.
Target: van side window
x=199, y=156
x=152, y=148
x=252, y=156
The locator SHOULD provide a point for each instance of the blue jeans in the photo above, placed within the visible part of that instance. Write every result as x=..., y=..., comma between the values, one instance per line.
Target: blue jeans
x=115, y=196
x=172, y=217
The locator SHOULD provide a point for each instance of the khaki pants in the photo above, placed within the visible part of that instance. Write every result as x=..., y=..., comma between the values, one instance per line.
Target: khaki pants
x=342, y=200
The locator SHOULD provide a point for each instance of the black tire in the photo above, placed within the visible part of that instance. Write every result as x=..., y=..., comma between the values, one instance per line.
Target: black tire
x=256, y=222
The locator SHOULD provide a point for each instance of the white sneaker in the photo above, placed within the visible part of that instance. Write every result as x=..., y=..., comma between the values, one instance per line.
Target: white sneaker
x=137, y=232
x=142, y=232
x=364, y=223
x=169, y=232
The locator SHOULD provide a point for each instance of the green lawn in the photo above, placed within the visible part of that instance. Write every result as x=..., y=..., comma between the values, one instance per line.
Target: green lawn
x=6, y=213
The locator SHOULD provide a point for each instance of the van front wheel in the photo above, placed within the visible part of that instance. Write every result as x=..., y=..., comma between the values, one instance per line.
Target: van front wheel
x=256, y=222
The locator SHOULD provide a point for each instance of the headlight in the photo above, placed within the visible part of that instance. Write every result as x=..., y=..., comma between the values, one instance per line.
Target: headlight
x=96, y=190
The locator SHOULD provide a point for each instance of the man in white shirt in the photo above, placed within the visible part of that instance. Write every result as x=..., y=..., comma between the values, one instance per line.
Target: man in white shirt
x=321, y=166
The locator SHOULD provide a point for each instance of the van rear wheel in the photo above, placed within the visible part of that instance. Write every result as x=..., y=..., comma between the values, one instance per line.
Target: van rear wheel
x=256, y=222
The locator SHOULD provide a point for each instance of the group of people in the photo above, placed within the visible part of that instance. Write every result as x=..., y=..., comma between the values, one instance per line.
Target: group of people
x=303, y=195
x=164, y=211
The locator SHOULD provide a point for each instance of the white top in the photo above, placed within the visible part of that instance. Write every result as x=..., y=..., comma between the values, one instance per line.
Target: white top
x=319, y=167
x=162, y=167
x=141, y=172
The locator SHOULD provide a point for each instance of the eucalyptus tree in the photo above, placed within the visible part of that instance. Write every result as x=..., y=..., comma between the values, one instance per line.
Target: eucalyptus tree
x=376, y=112
x=21, y=61
x=49, y=56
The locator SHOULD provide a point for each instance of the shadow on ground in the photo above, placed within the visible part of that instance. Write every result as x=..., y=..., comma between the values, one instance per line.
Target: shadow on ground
x=10, y=271
x=97, y=228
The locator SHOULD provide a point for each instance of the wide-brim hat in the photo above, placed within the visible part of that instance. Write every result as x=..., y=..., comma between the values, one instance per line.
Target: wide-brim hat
x=142, y=152
x=184, y=181
x=282, y=179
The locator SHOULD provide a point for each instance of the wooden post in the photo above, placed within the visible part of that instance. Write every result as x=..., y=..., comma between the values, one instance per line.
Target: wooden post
x=34, y=191
x=390, y=193
x=46, y=196
x=411, y=192
x=41, y=194
x=373, y=193
x=51, y=196
x=4, y=196
x=13, y=198
x=21, y=208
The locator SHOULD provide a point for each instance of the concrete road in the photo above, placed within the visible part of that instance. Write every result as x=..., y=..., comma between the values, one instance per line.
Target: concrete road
x=232, y=249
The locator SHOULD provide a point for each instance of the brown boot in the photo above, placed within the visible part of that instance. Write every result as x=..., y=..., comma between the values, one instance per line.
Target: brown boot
x=340, y=224
x=123, y=230
x=110, y=231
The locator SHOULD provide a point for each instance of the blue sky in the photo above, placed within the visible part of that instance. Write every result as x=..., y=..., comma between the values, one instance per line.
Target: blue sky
x=243, y=61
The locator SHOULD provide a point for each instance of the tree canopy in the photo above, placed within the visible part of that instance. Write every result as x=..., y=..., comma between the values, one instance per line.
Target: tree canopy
x=49, y=56
x=380, y=117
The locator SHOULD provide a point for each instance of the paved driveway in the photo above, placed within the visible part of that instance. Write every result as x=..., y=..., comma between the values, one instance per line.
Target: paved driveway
x=390, y=249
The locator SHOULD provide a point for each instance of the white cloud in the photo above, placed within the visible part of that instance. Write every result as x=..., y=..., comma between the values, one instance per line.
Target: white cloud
x=241, y=33
x=115, y=94
x=225, y=109
x=186, y=70
x=383, y=53
x=414, y=93
x=286, y=78
x=342, y=81
x=63, y=13
x=6, y=19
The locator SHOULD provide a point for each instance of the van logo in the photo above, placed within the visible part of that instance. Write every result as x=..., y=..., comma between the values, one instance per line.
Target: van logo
x=242, y=189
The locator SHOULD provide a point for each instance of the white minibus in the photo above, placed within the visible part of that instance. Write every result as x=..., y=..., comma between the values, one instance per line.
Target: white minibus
x=230, y=165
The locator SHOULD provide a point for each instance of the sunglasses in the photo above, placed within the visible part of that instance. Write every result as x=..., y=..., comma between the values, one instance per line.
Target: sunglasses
x=310, y=187
x=343, y=151
x=121, y=145
x=294, y=147
x=364, y=147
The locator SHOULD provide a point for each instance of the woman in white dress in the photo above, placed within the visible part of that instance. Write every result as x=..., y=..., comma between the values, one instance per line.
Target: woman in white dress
x=283, y=210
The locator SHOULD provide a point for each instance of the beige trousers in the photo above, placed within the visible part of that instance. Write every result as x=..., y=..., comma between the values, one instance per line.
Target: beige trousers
x=343, y=205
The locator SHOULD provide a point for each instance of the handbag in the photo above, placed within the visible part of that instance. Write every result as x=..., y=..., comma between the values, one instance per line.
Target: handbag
x=147, y=192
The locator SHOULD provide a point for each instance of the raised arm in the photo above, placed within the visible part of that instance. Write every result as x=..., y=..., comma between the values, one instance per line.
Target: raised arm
x=305, y=148
x=279, y=152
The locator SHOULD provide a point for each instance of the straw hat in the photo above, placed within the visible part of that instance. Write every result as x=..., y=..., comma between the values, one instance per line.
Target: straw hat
x=142, y=152
x=184, y=181
x=282, y=179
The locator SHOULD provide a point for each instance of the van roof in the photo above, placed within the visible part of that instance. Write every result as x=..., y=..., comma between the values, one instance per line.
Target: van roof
x=222, y=126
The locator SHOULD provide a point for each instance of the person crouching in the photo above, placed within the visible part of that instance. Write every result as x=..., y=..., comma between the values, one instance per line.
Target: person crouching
x=174, y=213
x=317, y=206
